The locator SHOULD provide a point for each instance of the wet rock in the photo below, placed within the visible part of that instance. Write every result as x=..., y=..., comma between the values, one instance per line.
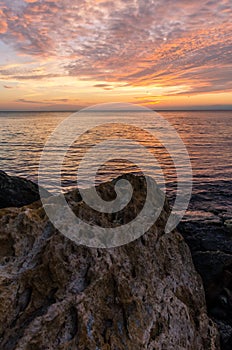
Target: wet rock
x=211, y=247
x=55, y=294
x=228, y=223
x=17, y=192
x=226, y=335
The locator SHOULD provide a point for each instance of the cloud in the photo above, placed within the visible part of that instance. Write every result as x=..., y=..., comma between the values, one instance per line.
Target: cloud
x=3, y=27
x=3, y=23
x=33, y=77
x=8, y=87
x=28, y=71
x=59, y=100
x=104, y=86
x=45, y=102
x=134, y=42
x=22, y=100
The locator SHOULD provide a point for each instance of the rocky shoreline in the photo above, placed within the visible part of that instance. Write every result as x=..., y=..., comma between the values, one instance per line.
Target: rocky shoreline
x=207, y=230
x=211, y=248
x=144, y=295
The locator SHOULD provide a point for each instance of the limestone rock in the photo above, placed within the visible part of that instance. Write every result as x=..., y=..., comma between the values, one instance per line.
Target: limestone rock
x=55, y=294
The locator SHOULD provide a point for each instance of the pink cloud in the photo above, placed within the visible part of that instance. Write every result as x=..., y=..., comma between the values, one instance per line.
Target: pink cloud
x=139, y=42
x=3, y=27
x=3, y=23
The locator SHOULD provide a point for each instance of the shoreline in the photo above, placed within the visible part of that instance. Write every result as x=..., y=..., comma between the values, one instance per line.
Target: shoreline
x=211, y=247
x=133, y=293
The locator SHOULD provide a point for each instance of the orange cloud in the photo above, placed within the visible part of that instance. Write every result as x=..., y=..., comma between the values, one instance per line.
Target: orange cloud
x=3, y=23
x=166, y=44
x=3, y=27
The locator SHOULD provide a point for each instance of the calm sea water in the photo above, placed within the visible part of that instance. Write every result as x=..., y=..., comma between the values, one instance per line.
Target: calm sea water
x=206, y=134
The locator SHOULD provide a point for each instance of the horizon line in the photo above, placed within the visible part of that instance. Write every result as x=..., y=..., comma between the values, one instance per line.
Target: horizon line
x=111, y=110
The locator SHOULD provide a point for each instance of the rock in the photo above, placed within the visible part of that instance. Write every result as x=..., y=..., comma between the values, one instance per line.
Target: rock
x=228, y=223
x=226, y=335
x=17, y=192
x=211, y=247
x=55, y=294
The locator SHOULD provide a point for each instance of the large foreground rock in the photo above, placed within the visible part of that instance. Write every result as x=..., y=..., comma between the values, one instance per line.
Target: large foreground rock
x=17, y=192
x=55, y=294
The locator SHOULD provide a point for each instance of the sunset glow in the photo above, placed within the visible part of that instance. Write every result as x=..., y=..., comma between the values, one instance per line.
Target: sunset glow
x=61, y=55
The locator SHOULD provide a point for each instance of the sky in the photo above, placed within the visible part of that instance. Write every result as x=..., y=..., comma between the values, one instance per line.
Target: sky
x=164, y=54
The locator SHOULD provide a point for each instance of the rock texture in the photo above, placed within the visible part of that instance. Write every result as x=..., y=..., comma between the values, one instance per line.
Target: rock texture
x=17, y=192
x=208, y=232
x=211, y=247
x=57, y=295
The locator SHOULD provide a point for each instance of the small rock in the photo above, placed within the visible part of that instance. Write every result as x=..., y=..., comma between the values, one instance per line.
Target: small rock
x=228, y=223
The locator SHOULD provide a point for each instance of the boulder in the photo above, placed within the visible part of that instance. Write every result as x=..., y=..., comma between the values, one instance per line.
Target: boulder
x=17, y=192
x=55, y=294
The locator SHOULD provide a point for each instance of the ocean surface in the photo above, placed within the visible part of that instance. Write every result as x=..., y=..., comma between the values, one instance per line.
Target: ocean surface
x=206, y=135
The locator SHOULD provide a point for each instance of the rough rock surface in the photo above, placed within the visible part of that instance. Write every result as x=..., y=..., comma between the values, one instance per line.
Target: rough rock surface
x=55, y=294
x=17, y=192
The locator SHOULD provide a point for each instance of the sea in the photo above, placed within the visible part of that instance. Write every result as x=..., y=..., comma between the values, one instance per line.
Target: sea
x=205, y=134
